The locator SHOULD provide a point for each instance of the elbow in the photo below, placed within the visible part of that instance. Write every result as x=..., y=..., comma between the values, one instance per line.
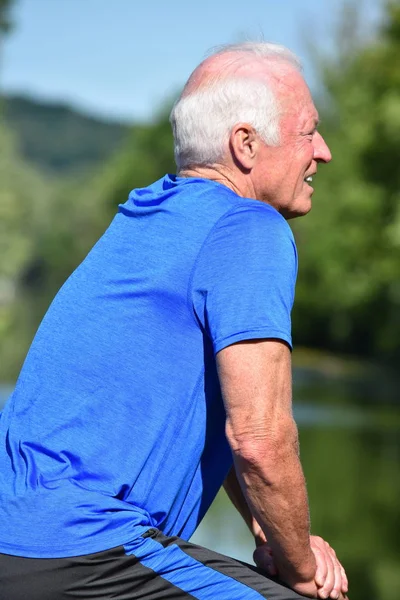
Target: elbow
x=264, y=444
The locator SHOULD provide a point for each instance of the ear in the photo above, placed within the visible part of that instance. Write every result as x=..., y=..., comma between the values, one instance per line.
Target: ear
x=244, y=144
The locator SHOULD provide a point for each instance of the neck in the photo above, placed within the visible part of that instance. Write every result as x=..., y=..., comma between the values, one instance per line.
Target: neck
x=222, y=174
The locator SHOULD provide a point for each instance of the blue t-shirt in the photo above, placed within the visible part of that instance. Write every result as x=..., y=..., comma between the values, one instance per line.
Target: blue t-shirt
x=116, y=423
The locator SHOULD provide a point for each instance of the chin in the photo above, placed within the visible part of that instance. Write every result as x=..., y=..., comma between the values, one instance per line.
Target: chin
x=300, y=205
x=293, y=207
x=299, y=210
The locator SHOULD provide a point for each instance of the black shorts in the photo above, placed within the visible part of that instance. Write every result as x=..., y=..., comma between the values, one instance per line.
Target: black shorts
x=152, y=567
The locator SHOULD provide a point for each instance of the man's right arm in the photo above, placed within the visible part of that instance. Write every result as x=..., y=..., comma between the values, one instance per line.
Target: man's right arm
x=255, y=379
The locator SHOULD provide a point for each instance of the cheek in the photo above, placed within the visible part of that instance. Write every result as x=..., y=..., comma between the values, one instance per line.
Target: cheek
x=308, y=154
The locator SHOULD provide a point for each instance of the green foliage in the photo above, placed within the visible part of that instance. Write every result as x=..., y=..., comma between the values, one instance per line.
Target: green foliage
x=5, y=23
x=23, y=197
x=48, y=225
x=82, y=210
x=353, y=485
x=147, y=156
x=58, y=139
x=348, y=295
x=348, y=291
x=353, y=481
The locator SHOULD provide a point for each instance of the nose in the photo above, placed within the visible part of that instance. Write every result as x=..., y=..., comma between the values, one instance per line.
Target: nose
x=321, y=150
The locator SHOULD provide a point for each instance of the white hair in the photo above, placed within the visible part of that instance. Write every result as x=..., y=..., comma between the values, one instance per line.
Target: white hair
x=203, y=119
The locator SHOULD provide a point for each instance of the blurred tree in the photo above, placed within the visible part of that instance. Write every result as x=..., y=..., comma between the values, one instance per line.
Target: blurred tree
x=5, y=22
x=23, y=200
x=47, y=227
x=83, y=209
x=348, y=294
x=60, y=140
x=353, y=487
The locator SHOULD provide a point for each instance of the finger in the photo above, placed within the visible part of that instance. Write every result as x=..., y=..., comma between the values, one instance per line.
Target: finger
x=344, y=586
x=326, y=589
x=322, y=568
x=337, y=587
x=345, y=583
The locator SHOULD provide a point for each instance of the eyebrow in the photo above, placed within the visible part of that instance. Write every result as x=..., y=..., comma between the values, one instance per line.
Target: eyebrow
x=316, y=122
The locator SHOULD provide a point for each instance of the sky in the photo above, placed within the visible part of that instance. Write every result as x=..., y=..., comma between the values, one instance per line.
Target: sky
x=124, y=58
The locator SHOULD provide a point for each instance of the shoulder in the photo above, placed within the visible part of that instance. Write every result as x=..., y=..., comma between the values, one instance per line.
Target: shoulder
x=257, y=215
x=255, y=228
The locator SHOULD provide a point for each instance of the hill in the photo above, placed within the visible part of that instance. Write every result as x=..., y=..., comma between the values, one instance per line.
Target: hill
x=58, y=139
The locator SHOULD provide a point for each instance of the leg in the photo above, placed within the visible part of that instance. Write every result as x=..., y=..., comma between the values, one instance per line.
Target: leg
x=151, y=567
x=204, y=574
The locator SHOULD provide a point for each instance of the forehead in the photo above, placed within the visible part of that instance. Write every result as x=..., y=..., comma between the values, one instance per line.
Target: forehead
x=295, y=100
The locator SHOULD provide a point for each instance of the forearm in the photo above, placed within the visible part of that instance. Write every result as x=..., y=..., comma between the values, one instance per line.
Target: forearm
x=256, y=385
x=273, y=484
x=255, y=382
x=234, y=491
x=235, y=494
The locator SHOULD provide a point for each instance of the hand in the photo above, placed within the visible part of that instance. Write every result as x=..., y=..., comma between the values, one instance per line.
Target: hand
x=330, y=578
x=264, y=559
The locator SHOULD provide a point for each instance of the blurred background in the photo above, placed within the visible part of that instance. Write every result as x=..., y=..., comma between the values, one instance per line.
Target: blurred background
x=86, y=90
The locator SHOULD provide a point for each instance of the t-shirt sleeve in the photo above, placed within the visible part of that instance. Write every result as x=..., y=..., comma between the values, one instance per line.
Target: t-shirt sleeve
x=244, y=280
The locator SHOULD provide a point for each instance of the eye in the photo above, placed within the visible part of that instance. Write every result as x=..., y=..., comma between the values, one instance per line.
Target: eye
x=310, y=134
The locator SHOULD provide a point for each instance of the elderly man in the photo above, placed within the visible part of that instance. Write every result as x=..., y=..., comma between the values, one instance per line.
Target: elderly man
x=162, y=369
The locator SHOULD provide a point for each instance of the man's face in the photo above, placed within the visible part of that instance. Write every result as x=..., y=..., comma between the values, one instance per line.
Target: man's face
x=282, y=174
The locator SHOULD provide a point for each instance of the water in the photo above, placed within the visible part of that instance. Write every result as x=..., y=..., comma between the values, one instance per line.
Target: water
x=350, y=450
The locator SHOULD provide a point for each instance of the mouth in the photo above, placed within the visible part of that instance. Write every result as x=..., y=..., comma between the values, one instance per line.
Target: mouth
x=309, y=178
